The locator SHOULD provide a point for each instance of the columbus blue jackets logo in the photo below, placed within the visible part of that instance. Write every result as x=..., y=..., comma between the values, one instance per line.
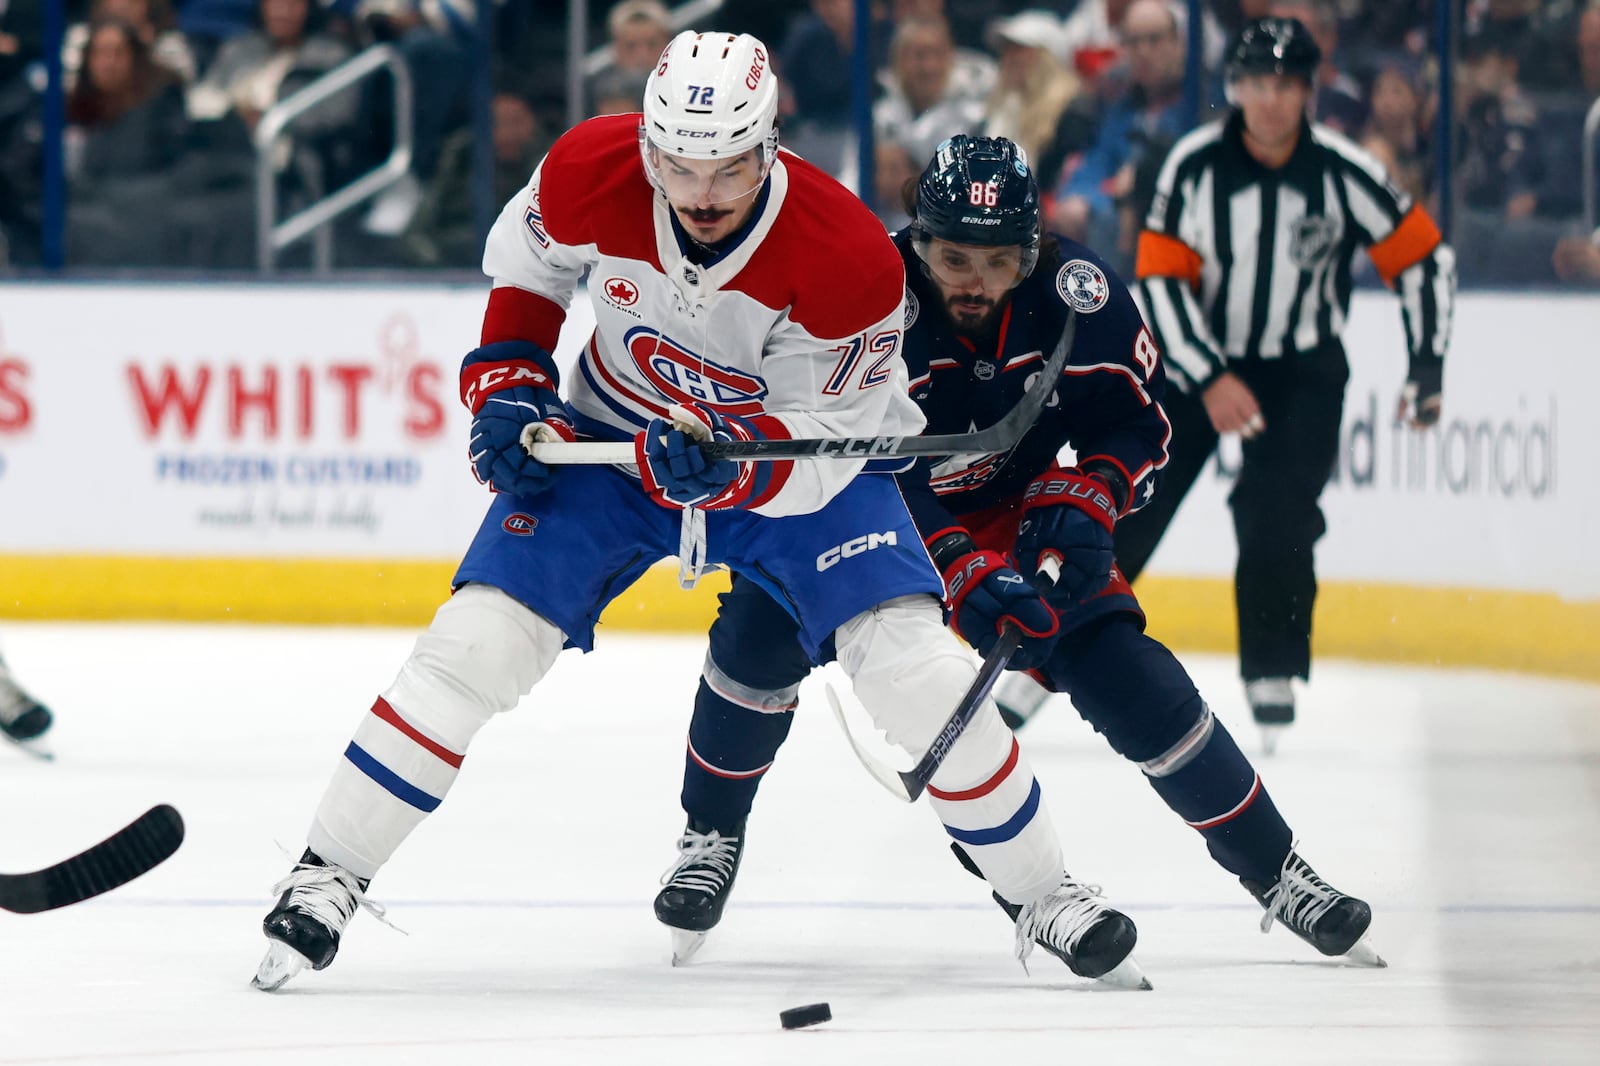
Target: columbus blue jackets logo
x=913, y=305
x=1083, y=285
x=685, y=377
x=1311, y=240
x=519, y=524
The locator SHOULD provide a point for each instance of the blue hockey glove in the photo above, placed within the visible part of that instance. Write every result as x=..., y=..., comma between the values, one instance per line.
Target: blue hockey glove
x=985, y=593
x=509, y=386
x=1069, y=515
x=676, y=473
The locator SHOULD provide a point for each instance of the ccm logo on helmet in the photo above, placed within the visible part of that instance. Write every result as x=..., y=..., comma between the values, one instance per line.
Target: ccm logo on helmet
x=697, y=134
x=855, y=546
x=757, y=68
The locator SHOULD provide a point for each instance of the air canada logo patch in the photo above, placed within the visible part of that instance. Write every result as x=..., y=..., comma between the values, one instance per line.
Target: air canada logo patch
x=1083, y=285
x=621, y=291
x=519, y=524
x=913, y=306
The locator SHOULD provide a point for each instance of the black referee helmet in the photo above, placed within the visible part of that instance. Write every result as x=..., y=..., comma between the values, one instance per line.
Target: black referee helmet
x=979, y=190
x=1274, y=46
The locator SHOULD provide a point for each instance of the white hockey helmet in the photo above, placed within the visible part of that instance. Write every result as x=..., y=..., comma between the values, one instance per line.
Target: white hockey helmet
x=711, y=96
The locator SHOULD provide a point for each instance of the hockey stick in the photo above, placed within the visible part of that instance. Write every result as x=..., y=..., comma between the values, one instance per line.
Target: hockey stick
x=1000, y=437
x=909, y=784
x=137, y=848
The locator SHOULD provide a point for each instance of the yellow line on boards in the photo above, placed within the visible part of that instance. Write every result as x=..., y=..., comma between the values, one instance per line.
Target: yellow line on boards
x=1535, y=632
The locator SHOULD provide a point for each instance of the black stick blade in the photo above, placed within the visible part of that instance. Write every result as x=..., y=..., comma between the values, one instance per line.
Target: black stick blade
x=138, y=848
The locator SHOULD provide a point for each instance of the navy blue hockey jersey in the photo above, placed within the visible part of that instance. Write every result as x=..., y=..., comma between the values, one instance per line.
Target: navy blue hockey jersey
x=1106, y=406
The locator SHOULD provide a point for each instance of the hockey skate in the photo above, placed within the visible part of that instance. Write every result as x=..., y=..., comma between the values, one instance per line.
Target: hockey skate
x=23, y=719
x=1074, y=924
x=697, y=886
x=1019, y=698
x=1272, y=706
x=1316, y=912
x=318, y=900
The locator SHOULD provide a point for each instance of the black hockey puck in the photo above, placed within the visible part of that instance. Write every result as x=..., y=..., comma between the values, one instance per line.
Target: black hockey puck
x=810, y=1014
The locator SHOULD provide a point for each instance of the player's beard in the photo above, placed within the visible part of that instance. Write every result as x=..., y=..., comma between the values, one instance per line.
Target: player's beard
x=971, y=314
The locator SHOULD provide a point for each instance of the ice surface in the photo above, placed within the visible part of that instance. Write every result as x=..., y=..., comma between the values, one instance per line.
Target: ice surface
x=1462, y=805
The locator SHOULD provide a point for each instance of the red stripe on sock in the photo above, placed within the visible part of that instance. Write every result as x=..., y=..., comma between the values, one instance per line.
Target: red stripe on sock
x=989, y=785
x=732, y=775
x=387, y=713
x=1212, y=823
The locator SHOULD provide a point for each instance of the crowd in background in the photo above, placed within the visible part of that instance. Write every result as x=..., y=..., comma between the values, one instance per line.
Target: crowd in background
x=163, y=96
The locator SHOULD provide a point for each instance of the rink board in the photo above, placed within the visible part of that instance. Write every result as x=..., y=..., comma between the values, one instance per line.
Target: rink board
x=295, y=454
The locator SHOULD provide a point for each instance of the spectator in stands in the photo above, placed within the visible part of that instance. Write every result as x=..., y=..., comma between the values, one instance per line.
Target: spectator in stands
x=1090, y=42
x=640, y=31
x=249, y=72
x=442, y=232
x=1500, y=167
x=1338, y=102
x=1033, y=90
x=1389, y=25
x=1562, y=110
x=1150, y=112
x=126, y=132
x=814, y=64
x=893, y=168
x=434, y=37
x=206, y=24
x=156, y=22
x=21, y=30
x=616, y=92
x=1394, y=130
x=929, y=97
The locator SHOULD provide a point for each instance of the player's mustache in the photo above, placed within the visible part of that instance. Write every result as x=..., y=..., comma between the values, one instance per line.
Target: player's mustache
x=705, y=214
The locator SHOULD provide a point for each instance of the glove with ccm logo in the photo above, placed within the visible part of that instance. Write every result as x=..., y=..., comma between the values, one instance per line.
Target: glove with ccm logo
x=676, y=473
x=985, y=593
x=1069, y=514
x=508, y=386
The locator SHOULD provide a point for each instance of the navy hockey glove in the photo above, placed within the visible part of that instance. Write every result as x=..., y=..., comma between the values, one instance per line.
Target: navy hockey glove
x=985, y=593
x=1070, y=515
x=676, y=473
x=509, y=386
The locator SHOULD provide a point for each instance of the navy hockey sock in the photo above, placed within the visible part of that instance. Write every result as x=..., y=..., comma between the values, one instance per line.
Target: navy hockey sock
x=730, y=749
x=1218, y=792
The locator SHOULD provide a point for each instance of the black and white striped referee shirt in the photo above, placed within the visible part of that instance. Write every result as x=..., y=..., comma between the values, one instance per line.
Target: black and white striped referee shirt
x=1241, y=262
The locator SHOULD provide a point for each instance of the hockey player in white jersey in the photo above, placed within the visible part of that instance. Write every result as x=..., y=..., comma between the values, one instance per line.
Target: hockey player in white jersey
x=738, y=294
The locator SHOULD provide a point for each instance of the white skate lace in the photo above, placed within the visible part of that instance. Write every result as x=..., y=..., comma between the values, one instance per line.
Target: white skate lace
x=330, y=894
x=1060, y=918
x=704, y=863
x=1299, y=898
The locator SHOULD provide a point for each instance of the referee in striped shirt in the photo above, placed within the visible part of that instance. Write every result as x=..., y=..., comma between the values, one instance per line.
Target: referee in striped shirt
x=1244, y=276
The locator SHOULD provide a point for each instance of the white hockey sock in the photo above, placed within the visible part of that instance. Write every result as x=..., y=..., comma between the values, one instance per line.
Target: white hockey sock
x=483, y=652
x=908, y=671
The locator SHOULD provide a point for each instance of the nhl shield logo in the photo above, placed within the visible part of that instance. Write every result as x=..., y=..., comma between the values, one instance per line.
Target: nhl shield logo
x=983, y=370
x=1311, y=240
x=1083, y=285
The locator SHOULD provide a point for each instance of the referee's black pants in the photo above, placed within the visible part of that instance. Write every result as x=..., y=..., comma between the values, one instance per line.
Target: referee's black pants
x=1276, y=516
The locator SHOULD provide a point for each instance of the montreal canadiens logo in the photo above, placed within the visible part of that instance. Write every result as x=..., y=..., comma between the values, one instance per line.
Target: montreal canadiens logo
x=1083, y=286
x=913, y=306
x=519, y=524
x=685, y=377
x=621, y=292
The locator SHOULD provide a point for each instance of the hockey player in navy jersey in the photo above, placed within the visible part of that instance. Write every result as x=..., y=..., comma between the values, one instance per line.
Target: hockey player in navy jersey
x=739, y=294
x=987, y=297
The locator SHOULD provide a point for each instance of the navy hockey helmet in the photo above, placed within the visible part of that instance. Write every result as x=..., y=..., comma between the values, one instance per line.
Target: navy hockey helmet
x=979, y=191
x=1274, y=46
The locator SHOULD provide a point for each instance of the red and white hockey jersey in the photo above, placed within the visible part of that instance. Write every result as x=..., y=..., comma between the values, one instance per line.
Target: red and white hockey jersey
x=797, y=325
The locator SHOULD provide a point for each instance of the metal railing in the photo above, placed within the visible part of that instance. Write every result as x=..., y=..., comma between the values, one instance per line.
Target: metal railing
x=273, y=236
x=1591, y=180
